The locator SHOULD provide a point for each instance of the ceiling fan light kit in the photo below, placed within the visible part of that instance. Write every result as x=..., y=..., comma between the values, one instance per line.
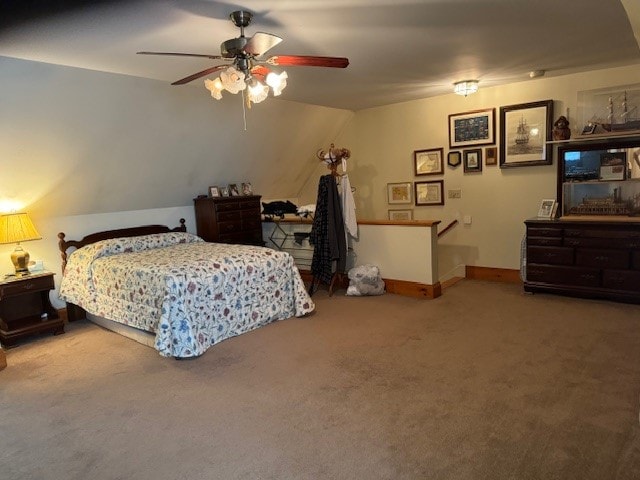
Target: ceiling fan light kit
x=465, y=87
x=248, y=71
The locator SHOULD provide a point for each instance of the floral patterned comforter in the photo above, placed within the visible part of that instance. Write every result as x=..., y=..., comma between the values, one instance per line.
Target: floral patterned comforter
x=190, y=293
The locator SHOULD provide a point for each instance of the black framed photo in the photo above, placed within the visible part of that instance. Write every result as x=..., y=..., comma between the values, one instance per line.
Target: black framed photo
x=472, y=160
x=233, y=190
x=454, y=158
x=525, y=133
x=491, y=156
x=472, y=128
x=429, y=193
x=428, y=162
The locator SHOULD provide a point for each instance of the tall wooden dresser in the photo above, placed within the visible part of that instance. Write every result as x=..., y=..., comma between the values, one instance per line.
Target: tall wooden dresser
x=229, y=219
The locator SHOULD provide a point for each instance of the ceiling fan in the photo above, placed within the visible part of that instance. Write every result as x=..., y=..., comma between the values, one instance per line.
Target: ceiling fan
x=246, y=69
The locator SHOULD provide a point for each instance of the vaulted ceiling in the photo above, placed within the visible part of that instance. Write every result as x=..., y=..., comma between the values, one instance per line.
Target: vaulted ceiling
x=399, y=50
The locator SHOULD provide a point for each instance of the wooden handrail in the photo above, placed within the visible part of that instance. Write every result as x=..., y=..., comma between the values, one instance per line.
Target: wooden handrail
x=447, y=228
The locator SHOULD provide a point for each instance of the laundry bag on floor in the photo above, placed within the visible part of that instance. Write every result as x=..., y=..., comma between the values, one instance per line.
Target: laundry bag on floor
x=365, y=280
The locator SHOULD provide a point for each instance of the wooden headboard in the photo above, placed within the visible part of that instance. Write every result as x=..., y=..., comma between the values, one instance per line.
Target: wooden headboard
x=65, y=245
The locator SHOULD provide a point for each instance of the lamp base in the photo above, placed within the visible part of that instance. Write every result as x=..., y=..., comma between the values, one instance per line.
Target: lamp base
x=20, y=260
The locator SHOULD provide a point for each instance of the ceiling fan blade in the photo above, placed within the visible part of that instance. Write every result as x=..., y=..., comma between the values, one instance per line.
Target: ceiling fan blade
x=260, y=43
x=195, y=76
x=177, y=54
x=308, y=61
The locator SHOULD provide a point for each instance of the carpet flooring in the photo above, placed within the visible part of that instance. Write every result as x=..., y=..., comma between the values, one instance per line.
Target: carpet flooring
x=485, y=382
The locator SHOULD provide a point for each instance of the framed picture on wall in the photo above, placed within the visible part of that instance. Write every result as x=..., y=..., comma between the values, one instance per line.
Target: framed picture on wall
x=399, y=192
x=490, y=155
x=429, y=193
x=454, y=159
x=472, y=128
x=400, y=215
x=473, y=160
x=428, y=162
x=525, y=131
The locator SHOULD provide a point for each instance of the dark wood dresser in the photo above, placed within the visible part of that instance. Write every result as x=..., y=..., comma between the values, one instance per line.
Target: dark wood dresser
x=585, y=258
x=229, y=219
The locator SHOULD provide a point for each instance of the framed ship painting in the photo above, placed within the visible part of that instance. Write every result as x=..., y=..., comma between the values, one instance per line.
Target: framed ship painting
x=525, y=133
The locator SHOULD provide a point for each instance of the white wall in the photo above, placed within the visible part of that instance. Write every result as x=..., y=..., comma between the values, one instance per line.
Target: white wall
x=382, y=141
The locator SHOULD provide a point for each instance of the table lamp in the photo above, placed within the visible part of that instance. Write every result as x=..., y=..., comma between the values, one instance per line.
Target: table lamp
x=16, y=228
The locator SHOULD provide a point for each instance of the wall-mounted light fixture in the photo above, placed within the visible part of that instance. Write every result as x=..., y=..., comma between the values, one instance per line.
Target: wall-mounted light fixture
x=465, y=87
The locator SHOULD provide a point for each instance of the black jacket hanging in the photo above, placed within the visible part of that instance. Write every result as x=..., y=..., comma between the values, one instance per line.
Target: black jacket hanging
x=327, y=234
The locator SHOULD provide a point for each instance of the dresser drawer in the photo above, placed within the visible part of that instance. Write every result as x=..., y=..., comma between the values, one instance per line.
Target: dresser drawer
x=628, y=280
x=228, y=216
x=614, y=259
x=227, y=206
x=34, y=284
x=545, y=241
x=230, y=227
x=550, y=255
x=250, y=205
x=544, y=232
x=252, y=224
x=582, y=277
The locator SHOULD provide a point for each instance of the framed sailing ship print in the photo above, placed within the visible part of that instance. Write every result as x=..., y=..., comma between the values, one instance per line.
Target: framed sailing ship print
x=525, y=133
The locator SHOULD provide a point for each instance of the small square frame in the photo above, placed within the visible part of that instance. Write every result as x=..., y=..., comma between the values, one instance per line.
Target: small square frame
x=224, y=191
x=429, y=193
x=247, y=189
x=472, y=160
x=428, y=162
x=214, y=191
x=546, y=209
x=491, y=155
x=233, y=190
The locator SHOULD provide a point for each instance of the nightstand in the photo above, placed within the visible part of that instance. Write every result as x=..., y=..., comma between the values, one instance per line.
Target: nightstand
x=25, y=308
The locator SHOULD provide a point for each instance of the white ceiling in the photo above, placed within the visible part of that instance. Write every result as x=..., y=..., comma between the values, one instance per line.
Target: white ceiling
x=399, y=50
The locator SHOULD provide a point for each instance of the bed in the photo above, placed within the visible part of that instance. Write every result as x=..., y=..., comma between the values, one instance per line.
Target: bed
x=187, y=293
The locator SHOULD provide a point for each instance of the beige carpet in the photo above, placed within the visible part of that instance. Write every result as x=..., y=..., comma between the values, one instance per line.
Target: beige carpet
x=483, y=383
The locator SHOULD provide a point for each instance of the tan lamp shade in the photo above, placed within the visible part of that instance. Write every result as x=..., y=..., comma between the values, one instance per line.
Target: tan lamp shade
x=16, y=228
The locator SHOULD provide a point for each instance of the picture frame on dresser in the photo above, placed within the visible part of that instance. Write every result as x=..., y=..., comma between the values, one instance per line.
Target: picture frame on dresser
x=214, y=191
x=224, y=191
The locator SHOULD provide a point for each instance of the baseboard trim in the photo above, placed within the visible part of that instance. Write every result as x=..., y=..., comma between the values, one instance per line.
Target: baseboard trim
x=399, y=287
x=504, y=275
x=412, y=289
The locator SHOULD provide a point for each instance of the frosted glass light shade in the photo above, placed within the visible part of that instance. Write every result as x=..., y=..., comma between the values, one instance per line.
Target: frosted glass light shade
x=215, y=87
x=258, y=92
x=232, y=80
x=277, y=82
x=466, y=87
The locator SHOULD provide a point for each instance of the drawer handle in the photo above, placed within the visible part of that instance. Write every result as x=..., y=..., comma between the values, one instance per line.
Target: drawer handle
x=587, y=276
x=28, y=286
x=550, y=255
x=601, y=258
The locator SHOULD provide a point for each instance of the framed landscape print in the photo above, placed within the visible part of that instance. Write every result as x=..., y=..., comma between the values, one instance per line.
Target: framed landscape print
x=472, y=128
x=428, y=162
x=473, y=160
x=399, y=192
x=400, y=215
x=429, y=193
x=525, y=131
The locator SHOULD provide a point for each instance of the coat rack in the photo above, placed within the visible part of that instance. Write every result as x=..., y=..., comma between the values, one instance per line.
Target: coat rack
x=333, y=157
